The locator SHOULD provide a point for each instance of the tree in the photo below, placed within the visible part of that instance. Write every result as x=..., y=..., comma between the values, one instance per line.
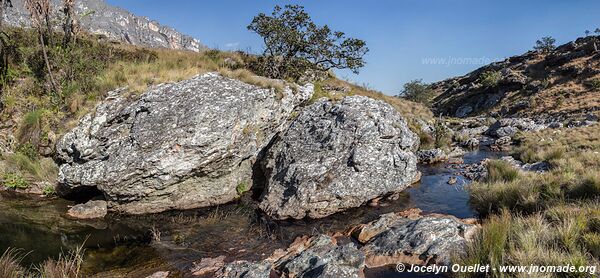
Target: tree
x=597, y=31
x=294, y=44
x=417, y=91
x=39, y=11
x=4, y=48
x=545, y=44
x=587, y=33
x=69, y=24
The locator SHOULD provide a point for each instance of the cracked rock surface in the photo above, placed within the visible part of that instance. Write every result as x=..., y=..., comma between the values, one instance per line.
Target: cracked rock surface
x=179, y=146
x=338, y=155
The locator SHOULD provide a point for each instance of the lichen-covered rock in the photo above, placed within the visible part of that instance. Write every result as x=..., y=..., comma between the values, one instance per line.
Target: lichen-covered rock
x=338, y=155
x=245, y=269
x=323, y=258
x=90, y=210
x=179, y=146
x=424, y=240
x=317, y=256
x=510, y=126
x=114, y=23
x=431, y=156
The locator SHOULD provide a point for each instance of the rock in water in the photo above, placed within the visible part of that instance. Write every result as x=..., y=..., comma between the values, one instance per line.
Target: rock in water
x=421, y=240
x=179, y=146
x=338, y=155
x=89, y=210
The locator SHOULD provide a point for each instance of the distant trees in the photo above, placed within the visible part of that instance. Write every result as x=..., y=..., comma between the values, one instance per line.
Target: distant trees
x=545, y=44
x=295, y=44
x=40, y=12
x=4, y=48
x=417, y=91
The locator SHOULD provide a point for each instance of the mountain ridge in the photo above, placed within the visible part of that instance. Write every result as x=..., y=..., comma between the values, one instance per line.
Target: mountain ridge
x=114, y=23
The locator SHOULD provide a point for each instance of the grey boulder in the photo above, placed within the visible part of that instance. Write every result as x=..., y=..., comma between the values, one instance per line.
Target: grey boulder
x=338, y=155
x=179, y=146
x=510, y=126
x=323, y=258
x=419, y=240
x=90, y=210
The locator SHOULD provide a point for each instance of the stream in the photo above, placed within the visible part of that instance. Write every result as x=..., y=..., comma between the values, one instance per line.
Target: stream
x=120, y=245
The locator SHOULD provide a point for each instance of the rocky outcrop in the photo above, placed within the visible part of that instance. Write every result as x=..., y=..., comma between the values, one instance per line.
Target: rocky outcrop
x=90, y=210
x=557, y=86
x=113, y=23
x=318, y=256
x=416, y=238
x=338, y=155
x=179, y=146
x=508, y=127
x=408, y=236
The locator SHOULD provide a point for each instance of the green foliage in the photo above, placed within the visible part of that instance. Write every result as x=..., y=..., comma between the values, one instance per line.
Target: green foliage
x=294, y=44
x=242, y=187
x=545, y=44
x=490, y=78
x=28, y=150
x=593, y=84
x=417, y=91
x=501, y=171
x=14, y=181
x=49, y=190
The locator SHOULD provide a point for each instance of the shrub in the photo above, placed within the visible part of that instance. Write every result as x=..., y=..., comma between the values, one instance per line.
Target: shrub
x=545, y=44
x=49, y=190
x=490, y=78
x=417, y=91
x=28, y=150
x=14, y=181
x=593, y=84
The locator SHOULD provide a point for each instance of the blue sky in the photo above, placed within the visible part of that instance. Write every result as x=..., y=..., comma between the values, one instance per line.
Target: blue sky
x=428, y=39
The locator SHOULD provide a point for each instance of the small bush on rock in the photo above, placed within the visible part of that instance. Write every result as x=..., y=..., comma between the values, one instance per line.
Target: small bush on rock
x=14, y=181
x=490, y=78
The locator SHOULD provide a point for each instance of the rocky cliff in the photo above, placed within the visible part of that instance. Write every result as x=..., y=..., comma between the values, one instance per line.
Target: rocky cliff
x=116, y=24
x=563, y=84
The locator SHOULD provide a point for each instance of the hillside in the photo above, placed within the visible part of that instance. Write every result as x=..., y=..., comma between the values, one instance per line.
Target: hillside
x=115, y=24
x=563, y=84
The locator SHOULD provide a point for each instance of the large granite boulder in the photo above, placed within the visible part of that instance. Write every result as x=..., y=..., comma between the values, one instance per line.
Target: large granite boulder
x=179, y=146
x=338, y=155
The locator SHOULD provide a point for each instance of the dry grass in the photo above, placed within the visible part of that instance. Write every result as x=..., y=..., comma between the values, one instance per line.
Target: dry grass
x=550, y=218
x=67, y=266
x=169, y=66
x=560, y=236
x=10, y=264
x=413, y=112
